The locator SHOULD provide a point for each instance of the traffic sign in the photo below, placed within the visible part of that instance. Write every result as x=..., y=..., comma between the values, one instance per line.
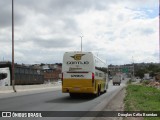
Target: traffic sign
x=125, y=70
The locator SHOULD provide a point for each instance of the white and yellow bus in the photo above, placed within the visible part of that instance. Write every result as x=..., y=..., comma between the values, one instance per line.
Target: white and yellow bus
x=82, y=72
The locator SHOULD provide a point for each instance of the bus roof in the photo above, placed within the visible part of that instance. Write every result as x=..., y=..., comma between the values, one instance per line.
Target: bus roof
x=79, y=52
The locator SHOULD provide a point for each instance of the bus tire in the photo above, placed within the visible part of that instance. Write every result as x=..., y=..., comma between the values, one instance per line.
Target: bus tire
x=107, y=86
x=99, y=91
x=72, y=95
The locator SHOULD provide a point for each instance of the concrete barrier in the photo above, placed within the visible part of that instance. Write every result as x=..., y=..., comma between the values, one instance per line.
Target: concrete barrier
x=19, y=88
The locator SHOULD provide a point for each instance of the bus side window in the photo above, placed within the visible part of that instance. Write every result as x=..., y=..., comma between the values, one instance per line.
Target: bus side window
x=100, y=74
x=96, y=73
x=3, y=76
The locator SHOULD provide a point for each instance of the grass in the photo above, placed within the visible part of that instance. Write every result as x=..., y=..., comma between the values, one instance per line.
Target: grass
x=142, y=98
x=145, y=82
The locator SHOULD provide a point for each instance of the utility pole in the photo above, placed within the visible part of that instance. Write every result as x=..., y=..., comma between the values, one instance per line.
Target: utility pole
x=133, y=67
x=13, y=81
x=81, y=43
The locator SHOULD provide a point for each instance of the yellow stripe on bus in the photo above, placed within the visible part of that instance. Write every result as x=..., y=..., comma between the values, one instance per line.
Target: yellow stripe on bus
x=77, y=82
x=81, y=85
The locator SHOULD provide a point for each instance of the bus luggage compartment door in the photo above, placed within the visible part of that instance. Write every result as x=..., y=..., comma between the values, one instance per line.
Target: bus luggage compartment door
x=77, y=82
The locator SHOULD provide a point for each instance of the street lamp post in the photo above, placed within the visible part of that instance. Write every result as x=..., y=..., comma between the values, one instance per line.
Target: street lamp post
x=13, y=81
x=81, y=43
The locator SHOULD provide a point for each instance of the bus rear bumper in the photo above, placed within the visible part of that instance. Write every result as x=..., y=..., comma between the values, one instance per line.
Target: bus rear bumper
x=78, y=90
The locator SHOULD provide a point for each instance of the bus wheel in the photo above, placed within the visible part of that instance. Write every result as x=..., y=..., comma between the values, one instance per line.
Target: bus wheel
x=99, y=91
x=107, y=86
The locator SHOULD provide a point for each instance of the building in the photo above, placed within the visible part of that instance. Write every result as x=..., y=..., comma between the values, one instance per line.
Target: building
x=51, y=72
x=114, y=69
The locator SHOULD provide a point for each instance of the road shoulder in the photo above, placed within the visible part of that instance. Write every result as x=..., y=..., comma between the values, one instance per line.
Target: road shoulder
x=116, y=104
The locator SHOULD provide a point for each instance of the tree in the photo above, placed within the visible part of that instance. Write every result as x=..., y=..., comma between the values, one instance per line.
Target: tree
x=140, y=73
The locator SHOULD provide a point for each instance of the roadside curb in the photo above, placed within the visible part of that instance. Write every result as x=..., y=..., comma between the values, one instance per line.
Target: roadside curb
x=101, y=106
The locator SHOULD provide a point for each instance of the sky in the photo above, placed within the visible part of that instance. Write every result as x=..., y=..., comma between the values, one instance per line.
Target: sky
x=117, y=31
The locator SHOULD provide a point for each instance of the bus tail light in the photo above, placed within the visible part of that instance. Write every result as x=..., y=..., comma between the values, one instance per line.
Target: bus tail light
x=92, y=79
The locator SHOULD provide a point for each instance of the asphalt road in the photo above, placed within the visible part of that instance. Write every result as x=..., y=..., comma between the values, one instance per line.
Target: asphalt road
x=55, y=100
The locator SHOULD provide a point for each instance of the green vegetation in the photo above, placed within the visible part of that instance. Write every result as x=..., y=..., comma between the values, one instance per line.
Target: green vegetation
x=129, y=81
x=151, y=69
x=145, y=82
x=142, y=98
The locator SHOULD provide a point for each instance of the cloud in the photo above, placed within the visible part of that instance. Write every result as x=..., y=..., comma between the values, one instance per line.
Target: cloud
x=6, y=14
x=53, y=43
x=115, y=30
